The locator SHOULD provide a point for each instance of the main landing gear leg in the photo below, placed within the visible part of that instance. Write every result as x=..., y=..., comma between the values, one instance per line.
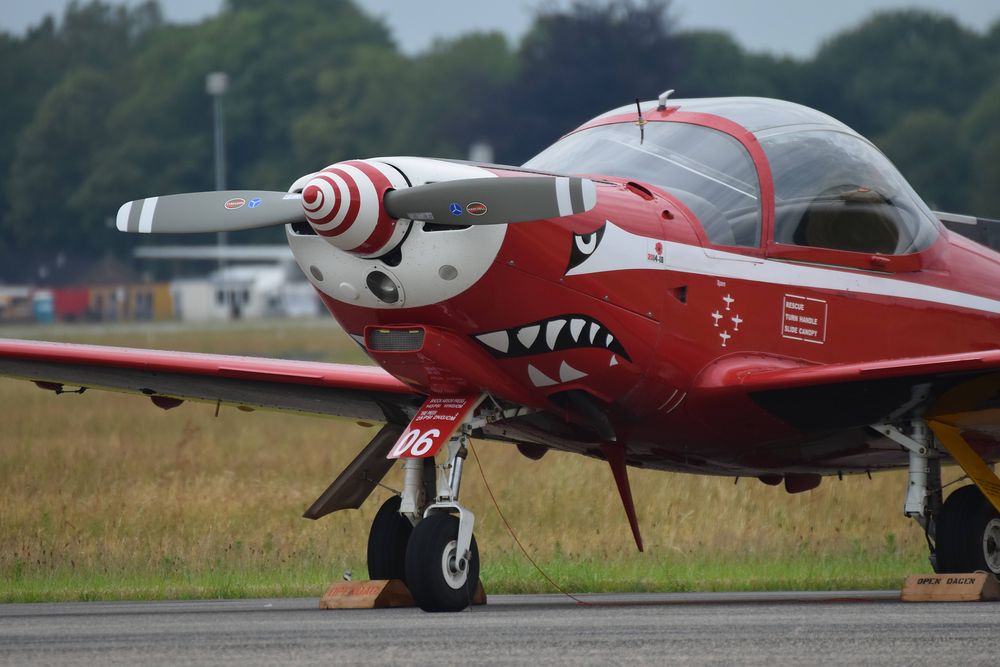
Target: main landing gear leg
x=442, y=559
x=923, y=494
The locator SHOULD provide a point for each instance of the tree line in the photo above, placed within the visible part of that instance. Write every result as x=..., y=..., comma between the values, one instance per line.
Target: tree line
x=107, y=103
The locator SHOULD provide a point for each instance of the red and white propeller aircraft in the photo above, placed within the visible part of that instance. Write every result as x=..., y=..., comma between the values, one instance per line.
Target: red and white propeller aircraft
x=731, y=286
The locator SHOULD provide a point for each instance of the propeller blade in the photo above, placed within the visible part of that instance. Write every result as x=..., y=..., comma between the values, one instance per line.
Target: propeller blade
x=493, y=201
x=223, y=211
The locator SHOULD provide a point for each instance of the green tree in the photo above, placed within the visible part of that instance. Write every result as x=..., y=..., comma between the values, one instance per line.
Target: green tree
x=927, y=148
x=274, y=55
x=577, y=63
x=103, y=35
x=70, y=124
x=712, y=64
x=470, y=75
x=380, y=102
x=895, y=63
x=66, y=78
x=161, y=132
x=981, y=133
x=358, y=113
x=108, y=104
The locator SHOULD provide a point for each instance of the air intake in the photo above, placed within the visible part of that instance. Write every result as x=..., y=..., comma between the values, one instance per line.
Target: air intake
x=402, y=339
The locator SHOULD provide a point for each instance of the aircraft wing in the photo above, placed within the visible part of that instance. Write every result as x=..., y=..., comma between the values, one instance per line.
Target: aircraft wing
x=831, y=396
x=168, y=378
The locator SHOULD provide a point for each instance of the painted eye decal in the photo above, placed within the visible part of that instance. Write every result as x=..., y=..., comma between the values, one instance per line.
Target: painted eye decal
x=584, y=246
x=586, y=243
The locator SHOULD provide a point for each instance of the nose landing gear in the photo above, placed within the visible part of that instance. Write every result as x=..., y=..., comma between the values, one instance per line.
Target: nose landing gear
x=442, y=558
x=424, y=537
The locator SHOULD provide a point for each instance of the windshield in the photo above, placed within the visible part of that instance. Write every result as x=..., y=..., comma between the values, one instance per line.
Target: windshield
x=835, y=190
x=709, y=171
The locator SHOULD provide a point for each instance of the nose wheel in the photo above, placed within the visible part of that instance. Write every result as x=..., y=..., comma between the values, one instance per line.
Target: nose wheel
x=441, y=560
x=441, y=566
x=438, y=576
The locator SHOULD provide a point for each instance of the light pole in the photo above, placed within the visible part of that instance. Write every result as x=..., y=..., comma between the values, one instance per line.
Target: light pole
x=216, y=85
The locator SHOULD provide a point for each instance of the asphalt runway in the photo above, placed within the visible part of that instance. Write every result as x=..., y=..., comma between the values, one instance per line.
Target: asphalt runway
x=719, y=629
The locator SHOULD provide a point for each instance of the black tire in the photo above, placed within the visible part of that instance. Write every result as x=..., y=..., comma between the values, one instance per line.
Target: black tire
x=432, y=587
x=968, y=533
x=387, y=542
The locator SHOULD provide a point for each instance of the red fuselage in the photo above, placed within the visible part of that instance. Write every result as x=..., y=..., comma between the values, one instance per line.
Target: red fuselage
x=633, y=305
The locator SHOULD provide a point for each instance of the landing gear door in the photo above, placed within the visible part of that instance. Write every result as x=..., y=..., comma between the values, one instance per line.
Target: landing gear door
x=434, y=424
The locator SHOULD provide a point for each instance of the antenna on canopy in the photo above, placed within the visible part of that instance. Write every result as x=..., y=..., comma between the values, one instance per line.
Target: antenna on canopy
x=641, y=122
x=664, y=96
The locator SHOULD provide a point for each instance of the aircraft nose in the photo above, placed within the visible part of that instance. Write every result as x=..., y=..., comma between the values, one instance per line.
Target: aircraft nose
x=344, y=205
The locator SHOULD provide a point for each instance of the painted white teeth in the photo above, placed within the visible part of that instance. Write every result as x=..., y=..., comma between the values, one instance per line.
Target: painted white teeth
x=614, y=361
x=527, y=335
x=538, y=378
x=567, y=373
x=498, y=340
x=552, y=332
x=524, y=340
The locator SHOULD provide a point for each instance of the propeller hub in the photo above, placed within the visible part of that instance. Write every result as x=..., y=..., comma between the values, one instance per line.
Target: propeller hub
x=344, y=204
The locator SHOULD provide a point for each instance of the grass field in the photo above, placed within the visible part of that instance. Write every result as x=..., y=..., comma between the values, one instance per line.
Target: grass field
x=105, y=496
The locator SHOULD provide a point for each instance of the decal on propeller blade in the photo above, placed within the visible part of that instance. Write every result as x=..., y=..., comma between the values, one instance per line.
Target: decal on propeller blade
x=235, y=203
x=254, y=203
x=476, y=208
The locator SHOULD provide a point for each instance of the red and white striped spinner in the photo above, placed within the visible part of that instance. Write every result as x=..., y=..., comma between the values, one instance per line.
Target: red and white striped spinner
x=343, y=203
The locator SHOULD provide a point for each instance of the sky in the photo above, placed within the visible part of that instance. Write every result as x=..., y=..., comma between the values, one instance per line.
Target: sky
x=788, y=27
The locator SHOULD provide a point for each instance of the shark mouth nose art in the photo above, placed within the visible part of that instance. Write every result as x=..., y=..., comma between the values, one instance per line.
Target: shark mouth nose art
x=554, y=334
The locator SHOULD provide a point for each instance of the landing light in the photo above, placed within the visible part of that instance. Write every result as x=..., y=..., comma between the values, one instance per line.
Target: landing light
x=382, y=287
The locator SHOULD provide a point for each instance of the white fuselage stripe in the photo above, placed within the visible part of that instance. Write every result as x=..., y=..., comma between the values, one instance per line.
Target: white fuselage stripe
x=797, y=275
x=621, y=250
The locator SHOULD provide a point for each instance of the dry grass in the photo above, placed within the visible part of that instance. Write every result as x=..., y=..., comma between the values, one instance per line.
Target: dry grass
x=101, y=491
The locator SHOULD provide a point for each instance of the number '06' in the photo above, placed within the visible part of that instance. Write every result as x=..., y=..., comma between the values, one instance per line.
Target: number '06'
x=416, y=442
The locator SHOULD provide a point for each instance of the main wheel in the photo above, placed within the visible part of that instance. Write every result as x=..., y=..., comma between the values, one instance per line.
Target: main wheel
x=387, y=542
x=434, y=573
x=968, y=533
